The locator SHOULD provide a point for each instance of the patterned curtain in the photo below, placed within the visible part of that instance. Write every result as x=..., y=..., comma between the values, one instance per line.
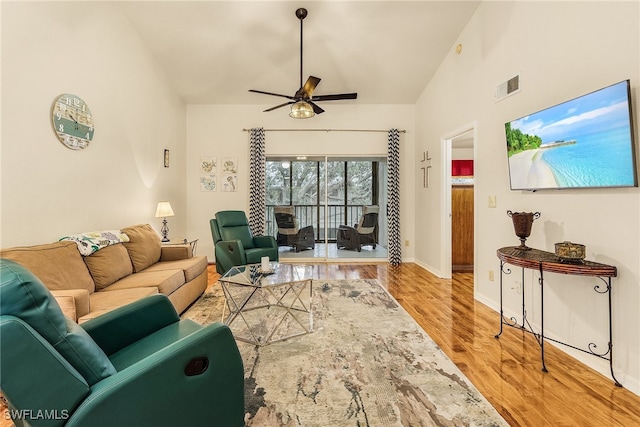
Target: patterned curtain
x=257, y=165
x=393, y=212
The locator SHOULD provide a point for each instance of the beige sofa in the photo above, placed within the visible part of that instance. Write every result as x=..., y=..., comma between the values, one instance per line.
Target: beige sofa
x=115, y=275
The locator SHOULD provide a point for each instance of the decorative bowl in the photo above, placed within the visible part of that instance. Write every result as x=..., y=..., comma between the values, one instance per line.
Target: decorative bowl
x=570, y=251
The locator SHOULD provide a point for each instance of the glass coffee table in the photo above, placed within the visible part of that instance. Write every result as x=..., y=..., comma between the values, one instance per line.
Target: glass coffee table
x=266, y=307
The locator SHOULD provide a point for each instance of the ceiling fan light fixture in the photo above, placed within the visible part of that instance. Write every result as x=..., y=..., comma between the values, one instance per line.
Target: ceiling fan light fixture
x=301, y=110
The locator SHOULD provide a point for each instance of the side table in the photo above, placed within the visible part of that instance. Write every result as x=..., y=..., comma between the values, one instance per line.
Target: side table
x=175, y=242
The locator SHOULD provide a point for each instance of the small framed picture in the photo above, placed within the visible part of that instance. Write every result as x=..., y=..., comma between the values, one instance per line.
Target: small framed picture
x=166, y=158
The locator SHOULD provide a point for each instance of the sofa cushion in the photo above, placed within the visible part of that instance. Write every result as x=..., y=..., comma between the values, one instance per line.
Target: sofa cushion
x=68, y=306
x=109, y=265
x=74, y=303
x=105, y=301
x=24, y=296
x=144, y=246
x=166, y=281
x=192, y=267
x=58, y=265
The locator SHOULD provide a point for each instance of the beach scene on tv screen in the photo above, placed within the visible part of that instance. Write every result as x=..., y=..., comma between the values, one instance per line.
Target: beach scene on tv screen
x=585, y=142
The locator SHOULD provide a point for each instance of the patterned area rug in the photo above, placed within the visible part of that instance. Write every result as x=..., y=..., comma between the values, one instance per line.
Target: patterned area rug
x=366, y=363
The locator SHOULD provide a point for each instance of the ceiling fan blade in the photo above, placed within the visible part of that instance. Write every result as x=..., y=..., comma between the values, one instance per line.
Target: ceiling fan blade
x=278, y=106
x=271, y=93
x=335, y=97
x=309, y=86
x=316, y=108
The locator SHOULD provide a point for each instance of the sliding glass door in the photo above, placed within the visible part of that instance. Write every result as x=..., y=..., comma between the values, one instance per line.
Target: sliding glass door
x=333, y=196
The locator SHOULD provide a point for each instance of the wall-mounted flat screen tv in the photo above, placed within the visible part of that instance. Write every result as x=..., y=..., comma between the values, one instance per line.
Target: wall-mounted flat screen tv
x=587, y=142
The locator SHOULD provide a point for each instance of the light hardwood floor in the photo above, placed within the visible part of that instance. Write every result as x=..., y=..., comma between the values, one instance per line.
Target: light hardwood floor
x=506, y=371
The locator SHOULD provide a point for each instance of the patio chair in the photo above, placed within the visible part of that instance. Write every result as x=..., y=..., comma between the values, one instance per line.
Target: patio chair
x=289, y=232
x=361, y=234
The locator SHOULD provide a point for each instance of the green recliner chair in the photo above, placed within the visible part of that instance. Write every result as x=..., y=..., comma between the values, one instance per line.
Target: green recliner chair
x=137, y=365
x=234, y=243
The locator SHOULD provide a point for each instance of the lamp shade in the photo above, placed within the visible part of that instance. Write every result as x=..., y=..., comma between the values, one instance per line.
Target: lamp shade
x=301, y=110
x=164, y=210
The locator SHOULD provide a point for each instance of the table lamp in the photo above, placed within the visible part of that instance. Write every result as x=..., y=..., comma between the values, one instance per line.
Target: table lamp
x=163, y=211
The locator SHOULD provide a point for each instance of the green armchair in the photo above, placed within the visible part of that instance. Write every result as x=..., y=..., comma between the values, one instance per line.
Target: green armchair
x=234, y=243
x=136, y=365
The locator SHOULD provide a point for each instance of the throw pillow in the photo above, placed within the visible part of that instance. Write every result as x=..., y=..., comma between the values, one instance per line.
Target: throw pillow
x=109, y=265
x=144, y=246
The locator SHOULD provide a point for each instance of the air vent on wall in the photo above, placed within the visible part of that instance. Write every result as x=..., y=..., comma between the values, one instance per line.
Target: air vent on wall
x=508, y=88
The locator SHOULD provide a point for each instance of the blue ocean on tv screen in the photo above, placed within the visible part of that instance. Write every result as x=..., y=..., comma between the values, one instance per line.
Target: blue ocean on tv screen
x=595, y=160
x=586, y=142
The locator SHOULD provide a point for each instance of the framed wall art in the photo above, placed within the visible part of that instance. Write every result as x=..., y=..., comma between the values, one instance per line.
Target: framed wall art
x=208, y=173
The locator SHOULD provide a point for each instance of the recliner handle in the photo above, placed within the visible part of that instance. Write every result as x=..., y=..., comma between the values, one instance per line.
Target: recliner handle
x=196, y=366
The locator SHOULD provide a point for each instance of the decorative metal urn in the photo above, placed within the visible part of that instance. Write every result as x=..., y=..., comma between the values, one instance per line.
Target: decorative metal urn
x=522, y=222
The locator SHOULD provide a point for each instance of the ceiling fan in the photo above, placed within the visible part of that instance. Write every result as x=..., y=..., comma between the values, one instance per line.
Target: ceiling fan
x=303, y=103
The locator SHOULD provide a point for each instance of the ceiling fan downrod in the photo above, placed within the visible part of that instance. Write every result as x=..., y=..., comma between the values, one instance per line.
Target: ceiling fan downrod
x=301, y=14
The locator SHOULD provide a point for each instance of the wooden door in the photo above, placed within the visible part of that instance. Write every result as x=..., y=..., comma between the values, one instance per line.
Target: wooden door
x=462, y=228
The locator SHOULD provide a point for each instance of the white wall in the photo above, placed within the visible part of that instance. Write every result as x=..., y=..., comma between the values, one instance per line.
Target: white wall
x=563, y=49
x=48, y=190
x=216, y=130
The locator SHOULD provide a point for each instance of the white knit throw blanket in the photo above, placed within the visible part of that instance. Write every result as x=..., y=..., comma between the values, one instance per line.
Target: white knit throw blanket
x=93, y=241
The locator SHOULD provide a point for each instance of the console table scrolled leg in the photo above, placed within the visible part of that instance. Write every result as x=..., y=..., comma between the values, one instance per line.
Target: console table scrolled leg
x=501, y=312
x=524, y=308
x=615, y=380
x=544, y=366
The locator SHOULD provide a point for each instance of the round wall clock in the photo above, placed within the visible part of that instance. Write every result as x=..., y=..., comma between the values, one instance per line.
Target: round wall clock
x=72, y=121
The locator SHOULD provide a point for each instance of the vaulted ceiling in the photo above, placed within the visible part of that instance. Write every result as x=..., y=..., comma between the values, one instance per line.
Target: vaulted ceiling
x=213, y=52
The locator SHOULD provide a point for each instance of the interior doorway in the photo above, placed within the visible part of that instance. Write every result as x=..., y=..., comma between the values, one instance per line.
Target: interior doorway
x=462, y=204
x=458, y=204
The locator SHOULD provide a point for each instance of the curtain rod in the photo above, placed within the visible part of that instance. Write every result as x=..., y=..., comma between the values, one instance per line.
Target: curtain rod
x=326, y=130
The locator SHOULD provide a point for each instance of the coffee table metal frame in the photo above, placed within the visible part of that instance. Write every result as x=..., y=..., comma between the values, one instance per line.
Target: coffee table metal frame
x=247, y=288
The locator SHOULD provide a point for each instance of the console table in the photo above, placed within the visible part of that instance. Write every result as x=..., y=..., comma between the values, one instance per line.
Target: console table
x=542, y=261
